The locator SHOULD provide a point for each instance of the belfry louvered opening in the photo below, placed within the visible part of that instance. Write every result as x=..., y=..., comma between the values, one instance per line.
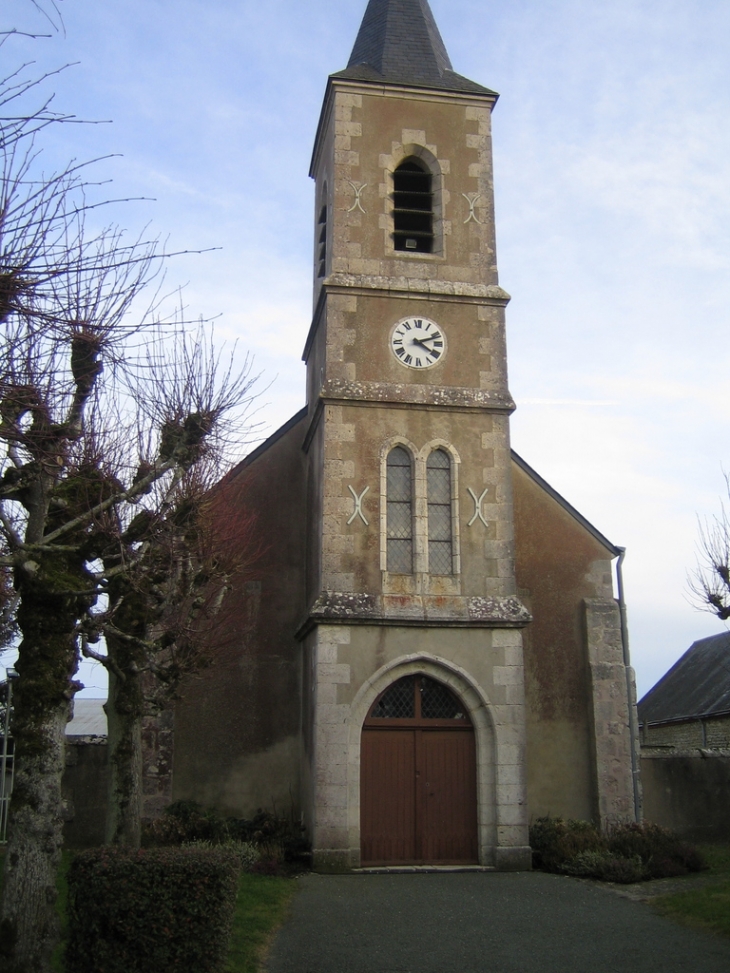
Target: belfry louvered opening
x=412, y=208
x=400, y=511
x=322, y=241
x=440, y=536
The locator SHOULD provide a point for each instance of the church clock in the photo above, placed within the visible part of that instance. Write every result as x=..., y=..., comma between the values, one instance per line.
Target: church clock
x=418, y=342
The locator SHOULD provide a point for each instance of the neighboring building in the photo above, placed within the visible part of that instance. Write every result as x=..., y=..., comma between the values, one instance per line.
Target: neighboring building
x=685, y=743
x=88, y=720
x=430, y=651
x=690, y=706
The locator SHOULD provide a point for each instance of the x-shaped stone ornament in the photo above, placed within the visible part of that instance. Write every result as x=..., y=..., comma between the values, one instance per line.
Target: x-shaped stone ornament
x=358, y=187
x=478, y=501
x=472, y=199
x=357, y=512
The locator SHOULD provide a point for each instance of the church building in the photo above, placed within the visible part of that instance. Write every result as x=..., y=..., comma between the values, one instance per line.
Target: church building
x=428, y=653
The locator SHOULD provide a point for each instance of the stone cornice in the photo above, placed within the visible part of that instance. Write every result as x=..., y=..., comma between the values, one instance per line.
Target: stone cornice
x=413, y=288
x=437, y=396
x=417, y=287
x=454, y=611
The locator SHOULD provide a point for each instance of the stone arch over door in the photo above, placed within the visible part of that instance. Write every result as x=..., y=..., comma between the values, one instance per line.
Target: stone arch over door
x=478, y=710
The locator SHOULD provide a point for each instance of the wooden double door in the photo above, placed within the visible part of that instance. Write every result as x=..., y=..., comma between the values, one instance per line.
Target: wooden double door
x=418, y=778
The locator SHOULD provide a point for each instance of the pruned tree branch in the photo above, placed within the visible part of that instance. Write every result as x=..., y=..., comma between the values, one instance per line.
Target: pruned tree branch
x=709, y=583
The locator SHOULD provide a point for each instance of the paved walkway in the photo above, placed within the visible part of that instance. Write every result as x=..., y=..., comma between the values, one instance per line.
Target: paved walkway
x=473, y=922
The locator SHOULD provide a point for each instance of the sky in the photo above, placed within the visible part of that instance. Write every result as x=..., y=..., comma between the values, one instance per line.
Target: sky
x=612, y=186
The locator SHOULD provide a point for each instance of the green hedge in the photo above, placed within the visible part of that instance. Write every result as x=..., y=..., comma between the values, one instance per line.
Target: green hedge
x=165, y=909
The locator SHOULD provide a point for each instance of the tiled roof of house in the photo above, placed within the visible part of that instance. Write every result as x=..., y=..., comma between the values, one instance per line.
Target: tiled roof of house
x=697, y=685
x=399, y=42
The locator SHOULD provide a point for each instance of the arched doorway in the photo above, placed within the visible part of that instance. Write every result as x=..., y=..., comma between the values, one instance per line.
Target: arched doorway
x=418, y=799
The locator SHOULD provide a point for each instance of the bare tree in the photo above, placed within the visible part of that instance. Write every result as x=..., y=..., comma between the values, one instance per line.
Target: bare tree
x=165, y=566
x=710, y=581
x=111, y=426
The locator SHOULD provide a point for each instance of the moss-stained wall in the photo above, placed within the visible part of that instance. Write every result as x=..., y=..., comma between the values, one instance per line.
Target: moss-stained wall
x=237, y=726
x=559, y=563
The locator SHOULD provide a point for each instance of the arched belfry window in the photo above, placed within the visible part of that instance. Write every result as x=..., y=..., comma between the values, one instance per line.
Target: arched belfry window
x=399, y=495
x=440, y=532
x=412, y=208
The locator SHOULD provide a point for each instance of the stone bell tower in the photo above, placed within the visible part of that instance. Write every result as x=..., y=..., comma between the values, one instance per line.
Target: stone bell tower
x=410, y=520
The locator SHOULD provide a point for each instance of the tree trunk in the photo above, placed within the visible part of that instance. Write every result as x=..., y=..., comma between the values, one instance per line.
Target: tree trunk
x=28, y=921
x=124, y=710
x=47, y=662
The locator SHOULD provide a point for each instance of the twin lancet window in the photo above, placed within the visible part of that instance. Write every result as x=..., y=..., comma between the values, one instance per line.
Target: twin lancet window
x=400, y=512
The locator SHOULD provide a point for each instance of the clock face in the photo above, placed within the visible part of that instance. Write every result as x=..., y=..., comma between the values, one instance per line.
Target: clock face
x=418, y=342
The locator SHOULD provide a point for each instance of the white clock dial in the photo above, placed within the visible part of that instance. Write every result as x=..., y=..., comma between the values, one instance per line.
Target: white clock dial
x=418, y=342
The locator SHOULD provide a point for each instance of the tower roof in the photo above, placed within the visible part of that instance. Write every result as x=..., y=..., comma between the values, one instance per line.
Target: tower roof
x=399, y=42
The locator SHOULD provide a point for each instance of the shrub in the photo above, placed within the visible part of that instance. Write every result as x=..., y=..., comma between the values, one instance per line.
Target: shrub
x=184, y=822
x=622, y=870
x=248, y=854
x=626, y=853
x=663, y=852
x=586, y=864
x=555, y=841
x=267, y=866
x=159, y=909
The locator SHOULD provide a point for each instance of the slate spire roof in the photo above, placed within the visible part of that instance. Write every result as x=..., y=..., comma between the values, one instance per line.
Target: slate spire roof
x=399, y=42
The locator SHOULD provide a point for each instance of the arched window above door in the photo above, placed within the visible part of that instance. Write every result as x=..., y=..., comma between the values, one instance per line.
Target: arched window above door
x=417, y=698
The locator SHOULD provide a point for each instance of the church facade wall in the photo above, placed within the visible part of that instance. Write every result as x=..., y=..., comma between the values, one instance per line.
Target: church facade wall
x=578, y=740
x=352, y=550
x=238, y=724
x=352, y=665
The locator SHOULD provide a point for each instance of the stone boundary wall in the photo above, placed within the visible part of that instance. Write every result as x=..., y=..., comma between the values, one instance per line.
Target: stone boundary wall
x=84, y=791
x=709, y=733
x=688, y=791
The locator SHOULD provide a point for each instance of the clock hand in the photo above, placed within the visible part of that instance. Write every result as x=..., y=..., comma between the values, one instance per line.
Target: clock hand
x=421, y=342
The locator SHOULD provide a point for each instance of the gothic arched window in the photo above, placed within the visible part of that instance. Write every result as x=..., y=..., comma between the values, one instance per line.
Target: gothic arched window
x=438, y=493
x=412, y=208
x=399, y=495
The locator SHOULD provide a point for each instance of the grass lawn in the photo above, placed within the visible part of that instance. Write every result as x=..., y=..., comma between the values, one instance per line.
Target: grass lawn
x=706, y=907
x=260, y=909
